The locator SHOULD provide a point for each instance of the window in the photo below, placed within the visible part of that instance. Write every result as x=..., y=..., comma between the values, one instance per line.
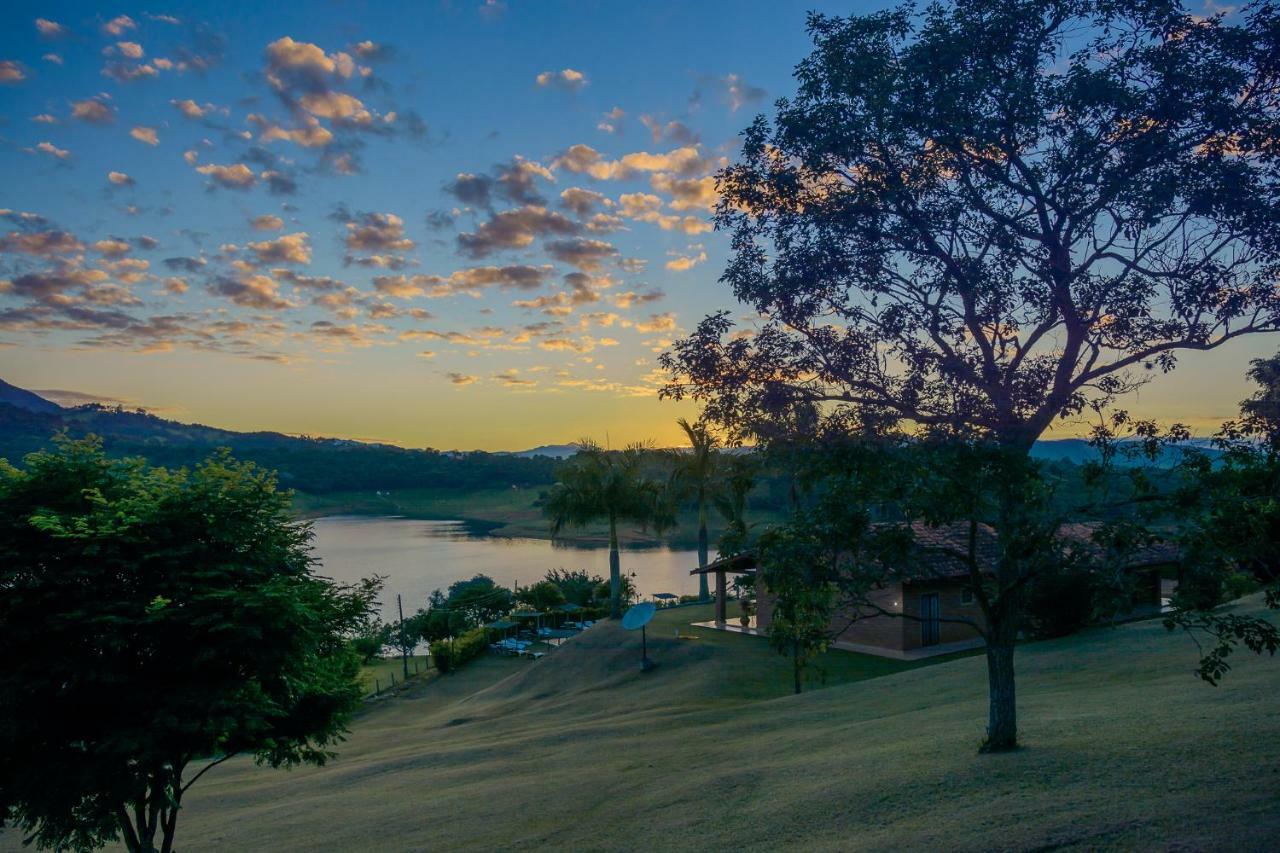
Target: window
x=966, y=596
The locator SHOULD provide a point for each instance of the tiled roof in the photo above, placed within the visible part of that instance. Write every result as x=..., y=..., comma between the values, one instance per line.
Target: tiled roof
x=945, y=547
x=943, y=550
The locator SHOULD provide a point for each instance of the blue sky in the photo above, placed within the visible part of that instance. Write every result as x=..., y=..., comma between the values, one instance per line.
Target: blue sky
x=457, y=224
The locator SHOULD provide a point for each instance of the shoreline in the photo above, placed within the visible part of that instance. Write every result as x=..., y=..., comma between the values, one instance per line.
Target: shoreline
x=498, y=513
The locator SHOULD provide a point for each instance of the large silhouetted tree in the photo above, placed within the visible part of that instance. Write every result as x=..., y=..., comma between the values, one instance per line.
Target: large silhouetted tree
x=985, y=217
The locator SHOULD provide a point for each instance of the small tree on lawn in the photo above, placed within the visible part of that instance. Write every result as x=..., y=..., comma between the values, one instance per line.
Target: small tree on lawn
x=154, y=624
x=791, y=559
x=598, y=484
x=985, y=216
x=821, y=564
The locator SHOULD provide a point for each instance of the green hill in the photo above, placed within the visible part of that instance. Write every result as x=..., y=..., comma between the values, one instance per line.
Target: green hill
x=1124, y=749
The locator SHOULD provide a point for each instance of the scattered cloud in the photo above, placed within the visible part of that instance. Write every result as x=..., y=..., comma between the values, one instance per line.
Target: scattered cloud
x=514, y=229
x=586, y=254
x=683, y=263
x=285, y=249
x=611, y=122
x=267, y=222
x=93, y=110
x=377, y=232
x=191, y=109
x=460, y=378
x=470, y=281
x=670, y=131
x=120, y=179
x=582, y=202
x=50, y=29
x=11, y=72
x=51, y=149
x=566, y=79
x=145, y=134
x=250, y=291
x=118, y=25
x=730, y=89
x=236, y=176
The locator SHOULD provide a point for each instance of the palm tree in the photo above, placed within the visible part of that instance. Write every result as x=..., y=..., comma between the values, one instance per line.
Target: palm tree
x=600, y=484
x=737, y=480
x=694, y=476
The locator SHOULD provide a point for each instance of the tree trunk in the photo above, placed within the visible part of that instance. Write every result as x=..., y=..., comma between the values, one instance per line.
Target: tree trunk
x=615, y=571
x=797, y=665
x=1002, y=722
x=169, y=828
x=703, y=592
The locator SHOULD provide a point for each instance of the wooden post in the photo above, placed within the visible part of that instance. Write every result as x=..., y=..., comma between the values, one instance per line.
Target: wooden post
x=404, y=653
x=720, y=597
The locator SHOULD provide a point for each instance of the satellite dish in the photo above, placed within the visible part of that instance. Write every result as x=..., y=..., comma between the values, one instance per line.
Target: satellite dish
x=638, y=616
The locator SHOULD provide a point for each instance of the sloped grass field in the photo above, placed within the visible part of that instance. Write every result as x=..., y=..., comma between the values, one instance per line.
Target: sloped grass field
x=1124, y=749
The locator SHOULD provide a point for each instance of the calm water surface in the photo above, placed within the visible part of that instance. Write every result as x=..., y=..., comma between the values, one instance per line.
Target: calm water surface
x=419, y=556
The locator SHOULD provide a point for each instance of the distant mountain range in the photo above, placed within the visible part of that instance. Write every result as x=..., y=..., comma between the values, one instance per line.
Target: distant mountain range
x=27, y=421
x=551, y=451
x=24, y=399
x=317, y=465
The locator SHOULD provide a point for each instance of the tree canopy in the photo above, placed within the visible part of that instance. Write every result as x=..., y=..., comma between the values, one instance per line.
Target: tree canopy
x=992, y=239
x=154, y=621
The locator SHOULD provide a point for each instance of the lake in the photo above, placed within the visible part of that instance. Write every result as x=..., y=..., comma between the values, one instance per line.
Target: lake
x=419, y=556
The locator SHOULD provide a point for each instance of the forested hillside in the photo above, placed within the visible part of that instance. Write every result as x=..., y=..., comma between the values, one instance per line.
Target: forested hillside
x=315, y=465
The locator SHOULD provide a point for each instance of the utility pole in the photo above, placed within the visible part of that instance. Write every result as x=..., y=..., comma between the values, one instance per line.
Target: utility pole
x=404, y=651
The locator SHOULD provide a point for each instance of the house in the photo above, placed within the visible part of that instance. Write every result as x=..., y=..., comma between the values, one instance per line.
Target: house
x=932, y=610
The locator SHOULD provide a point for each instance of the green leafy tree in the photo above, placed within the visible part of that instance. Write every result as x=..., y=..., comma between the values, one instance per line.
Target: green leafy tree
x=477, y=601
x=579, y=587
x=737, y=479
x=986, y=241
x=156, y=623
x=1231, y=503
x=694, y=474
x=598, y=484
x=543, y=595
x=804, y=596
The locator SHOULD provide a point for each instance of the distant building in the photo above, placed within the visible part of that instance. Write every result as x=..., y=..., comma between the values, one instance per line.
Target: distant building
x=933, y=611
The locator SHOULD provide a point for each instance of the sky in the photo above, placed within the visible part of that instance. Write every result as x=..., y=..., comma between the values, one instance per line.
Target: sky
x=464, y=224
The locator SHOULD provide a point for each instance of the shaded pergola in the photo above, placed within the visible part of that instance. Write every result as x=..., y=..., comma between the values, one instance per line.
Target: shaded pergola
x=740, y=564
x=502, y=626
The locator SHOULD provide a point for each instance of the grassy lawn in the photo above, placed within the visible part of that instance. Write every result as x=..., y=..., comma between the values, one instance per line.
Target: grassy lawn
x=1123, y=750
x=746, y=667
x=378, y=674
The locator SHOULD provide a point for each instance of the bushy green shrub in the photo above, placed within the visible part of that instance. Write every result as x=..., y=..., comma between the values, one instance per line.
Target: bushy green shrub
x=1199, y=589
x=448, y=655
x=1238, y=585
x=1060, y=603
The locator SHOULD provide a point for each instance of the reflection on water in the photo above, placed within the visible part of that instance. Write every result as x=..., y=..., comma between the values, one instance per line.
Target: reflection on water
x=419, y=556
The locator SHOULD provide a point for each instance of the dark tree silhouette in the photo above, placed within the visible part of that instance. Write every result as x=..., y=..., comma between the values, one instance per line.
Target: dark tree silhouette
x=988, y=216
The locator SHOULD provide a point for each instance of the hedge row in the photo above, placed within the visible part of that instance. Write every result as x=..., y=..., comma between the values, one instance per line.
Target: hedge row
x=449, y=655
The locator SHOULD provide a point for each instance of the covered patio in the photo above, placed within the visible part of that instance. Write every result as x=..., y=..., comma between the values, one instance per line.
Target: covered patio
x=740, y=564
